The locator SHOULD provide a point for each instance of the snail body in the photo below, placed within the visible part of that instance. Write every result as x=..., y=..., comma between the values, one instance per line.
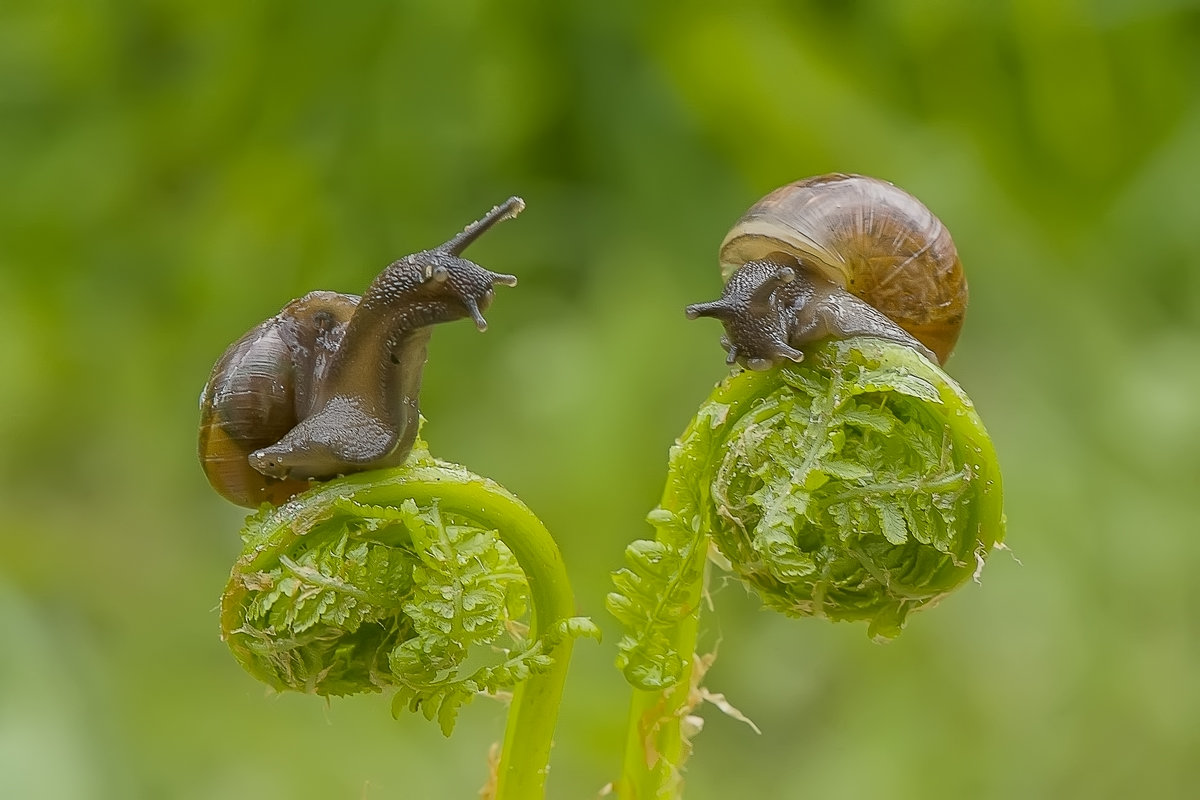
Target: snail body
x=837, y=255
x=330, y=384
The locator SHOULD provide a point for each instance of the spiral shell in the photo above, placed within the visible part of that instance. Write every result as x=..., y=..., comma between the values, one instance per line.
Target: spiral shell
x=871, y=238
x=261, y=387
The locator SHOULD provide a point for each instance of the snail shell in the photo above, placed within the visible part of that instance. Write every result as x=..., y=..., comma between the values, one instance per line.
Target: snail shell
x=262, y=387
x=849, y=232
x=330, y=384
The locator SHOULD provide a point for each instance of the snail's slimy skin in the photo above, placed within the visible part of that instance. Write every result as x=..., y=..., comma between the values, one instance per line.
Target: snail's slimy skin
x=331, y=384
x=771, y=310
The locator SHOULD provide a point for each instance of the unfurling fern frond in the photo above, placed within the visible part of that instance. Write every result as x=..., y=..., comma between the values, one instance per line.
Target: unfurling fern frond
x=424, y=580
x=858, y=484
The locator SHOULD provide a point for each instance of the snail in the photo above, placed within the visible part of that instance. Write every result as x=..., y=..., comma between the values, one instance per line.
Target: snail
x=330, y=384
x=837, y=255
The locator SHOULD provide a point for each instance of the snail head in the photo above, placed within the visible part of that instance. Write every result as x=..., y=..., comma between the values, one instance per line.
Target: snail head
x=754, y=312
x=456, y=286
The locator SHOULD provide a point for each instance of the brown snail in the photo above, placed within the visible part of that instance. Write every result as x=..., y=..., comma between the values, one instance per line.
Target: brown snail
x=837, y=255
x=330, y=384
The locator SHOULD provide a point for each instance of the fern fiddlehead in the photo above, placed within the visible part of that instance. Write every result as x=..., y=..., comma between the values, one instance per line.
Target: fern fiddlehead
x=391, y=580
x=847, y=478
x=857, y=485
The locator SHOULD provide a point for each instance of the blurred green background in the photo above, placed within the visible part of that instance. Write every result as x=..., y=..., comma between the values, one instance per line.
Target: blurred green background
x=173, y=173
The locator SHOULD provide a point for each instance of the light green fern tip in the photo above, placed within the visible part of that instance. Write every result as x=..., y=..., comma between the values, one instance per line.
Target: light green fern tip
x=857, y=484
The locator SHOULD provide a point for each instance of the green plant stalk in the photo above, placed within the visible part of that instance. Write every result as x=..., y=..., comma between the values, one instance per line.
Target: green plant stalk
x=534, y=709
x=654, y=744
x=656, y=747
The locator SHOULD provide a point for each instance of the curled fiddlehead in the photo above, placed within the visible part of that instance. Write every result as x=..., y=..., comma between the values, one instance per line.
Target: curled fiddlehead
x=397, y=580
x=847, y=477
x=400, y=572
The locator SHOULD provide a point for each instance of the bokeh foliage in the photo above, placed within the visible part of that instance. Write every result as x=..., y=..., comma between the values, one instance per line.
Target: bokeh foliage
x=175, y=172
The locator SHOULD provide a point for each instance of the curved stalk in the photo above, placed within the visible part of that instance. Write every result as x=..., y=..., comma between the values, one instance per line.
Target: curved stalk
x=655, y=745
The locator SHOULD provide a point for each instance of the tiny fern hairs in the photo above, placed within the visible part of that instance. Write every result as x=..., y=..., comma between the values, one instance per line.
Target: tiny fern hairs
x=843, y=475
x=370, y=565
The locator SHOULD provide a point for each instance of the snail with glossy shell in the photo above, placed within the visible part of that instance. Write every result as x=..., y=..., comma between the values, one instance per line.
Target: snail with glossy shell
x=837, y=255
x=330, y=384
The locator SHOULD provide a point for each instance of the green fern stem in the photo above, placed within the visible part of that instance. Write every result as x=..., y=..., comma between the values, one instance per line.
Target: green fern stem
x=859, y=484
x=388, y=580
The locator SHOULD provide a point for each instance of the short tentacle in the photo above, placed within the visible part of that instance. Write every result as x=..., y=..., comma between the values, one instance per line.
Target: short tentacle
x=503, y=278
